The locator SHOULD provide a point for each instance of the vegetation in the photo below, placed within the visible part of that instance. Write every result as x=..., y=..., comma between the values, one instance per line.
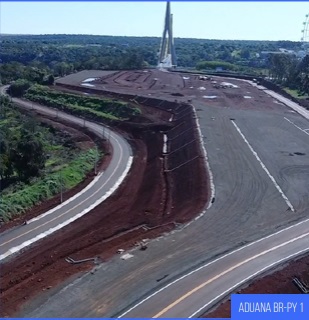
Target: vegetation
x=291, y=73
x=36, y=57
x=19, y=87
x=67, y=176
x=21, y=145
x=35, y=161
x=90, y=107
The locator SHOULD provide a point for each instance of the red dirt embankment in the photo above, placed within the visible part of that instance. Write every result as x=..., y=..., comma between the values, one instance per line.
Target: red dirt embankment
x=159, y=191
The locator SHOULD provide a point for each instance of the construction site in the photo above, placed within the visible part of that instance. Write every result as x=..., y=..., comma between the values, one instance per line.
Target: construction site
x=167, y=186
x=211, y=168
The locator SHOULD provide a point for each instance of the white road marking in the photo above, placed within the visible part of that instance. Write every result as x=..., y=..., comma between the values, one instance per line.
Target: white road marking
x=95, y=192
x=248, y=278
x=211, y=179
x=94, y=181
x=210, y=263
x=304, y=131
x=293, y=105
x=77, y=216
x=51, y=230
x=265, y=169
x=164, y=151
x=226, y=271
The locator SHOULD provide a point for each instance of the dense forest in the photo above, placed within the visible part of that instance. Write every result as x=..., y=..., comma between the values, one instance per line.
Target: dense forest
x=35, y=57
x=40, y=58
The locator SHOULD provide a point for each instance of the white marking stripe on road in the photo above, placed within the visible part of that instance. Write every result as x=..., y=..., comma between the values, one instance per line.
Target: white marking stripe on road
x=210, y=263
x=239, y=264
x=295, y=125
x=289, y=103
x=265, y=169
x=238, y=284
x=95, y=192
x=211, y=179
x=94, y=181
x=61, y=225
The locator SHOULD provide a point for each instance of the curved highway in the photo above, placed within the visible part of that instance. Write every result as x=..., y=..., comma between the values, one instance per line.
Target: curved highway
x=261, y=186
x=97, y=191
x=191, y=294
x=198, y=290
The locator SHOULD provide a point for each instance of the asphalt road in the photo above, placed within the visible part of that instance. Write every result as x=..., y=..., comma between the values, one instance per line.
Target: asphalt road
x=97, y=191
x=187, y=296
x=262, y=186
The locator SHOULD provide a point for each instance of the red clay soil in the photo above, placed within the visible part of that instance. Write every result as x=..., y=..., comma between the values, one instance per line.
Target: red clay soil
x=149, y=202
x=277, y=282
x=176, y=86
x=83, y=139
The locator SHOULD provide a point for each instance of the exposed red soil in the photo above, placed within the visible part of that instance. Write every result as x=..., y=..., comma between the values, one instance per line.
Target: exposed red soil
x=150, y=201
x=159, y=191
x=277, y=282
x=83, y=139
x=176, y=86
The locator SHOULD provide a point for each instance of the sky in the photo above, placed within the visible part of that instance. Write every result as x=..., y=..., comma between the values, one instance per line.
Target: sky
x=203, y=20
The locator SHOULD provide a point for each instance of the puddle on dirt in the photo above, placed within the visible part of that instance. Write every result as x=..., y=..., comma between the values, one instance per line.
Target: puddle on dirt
x=126, y=256
x=202, y=88
x=229, y=85
x=186, y=78
x=247, y=97
x=88, y=85
x=209, y=97
x=278, y=102
x=90, y=79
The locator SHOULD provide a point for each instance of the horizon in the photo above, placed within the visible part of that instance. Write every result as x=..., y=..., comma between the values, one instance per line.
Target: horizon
x=106, y=35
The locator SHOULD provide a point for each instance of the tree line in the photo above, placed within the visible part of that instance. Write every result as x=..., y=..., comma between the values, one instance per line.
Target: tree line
x=21, y=144
x=35, y=57
x=288, y=71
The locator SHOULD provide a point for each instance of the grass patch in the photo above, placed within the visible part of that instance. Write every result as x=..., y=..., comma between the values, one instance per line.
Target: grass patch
x=90, y=107
x=295, y=93
x=44, y=188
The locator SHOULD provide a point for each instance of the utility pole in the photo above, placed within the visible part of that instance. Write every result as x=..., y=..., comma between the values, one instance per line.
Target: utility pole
x=96, y=160
x=10, y=93
x=109, y=133
x=61, y=188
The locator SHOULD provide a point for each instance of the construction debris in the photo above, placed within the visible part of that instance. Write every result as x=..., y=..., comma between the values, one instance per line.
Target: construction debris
x=72, y=261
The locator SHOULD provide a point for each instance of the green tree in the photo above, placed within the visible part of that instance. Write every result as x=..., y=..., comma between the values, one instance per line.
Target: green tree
x=27, y=155
x=19, y=87
x=6, y=168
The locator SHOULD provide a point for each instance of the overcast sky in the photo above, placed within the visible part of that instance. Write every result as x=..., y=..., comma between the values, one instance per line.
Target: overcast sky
x=206, y=20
